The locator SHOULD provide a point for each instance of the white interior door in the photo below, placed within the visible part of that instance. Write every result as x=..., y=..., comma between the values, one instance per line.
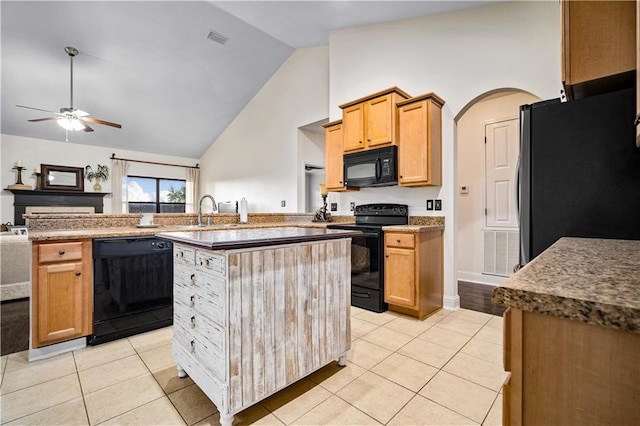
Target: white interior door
x=502, y=143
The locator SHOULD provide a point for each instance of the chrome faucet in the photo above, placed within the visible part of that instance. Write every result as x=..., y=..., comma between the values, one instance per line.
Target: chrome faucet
x=200, y=207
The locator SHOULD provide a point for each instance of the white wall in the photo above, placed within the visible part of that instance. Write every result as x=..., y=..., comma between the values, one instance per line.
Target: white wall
x=33, y=152
x=459, y=56
x=311, y=152
x=471, y=172
x=257, y=155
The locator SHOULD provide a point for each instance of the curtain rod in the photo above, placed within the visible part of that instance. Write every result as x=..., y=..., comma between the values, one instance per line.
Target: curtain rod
x=113, y=157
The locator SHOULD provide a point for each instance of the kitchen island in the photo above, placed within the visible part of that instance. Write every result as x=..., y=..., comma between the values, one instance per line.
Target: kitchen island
x=258, y=309
x=572, y=335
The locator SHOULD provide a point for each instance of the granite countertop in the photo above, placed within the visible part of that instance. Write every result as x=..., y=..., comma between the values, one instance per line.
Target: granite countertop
x=596, y=281
x=229, y=239
x=419, y=224
x=131, y=231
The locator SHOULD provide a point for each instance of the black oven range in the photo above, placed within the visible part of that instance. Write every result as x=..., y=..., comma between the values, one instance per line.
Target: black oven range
x=367, y=252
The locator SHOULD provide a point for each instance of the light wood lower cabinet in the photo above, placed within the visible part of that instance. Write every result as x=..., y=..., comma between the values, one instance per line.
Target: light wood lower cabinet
x=250, y=322
x=565, y=372
x=413, y=276
x=62, y=291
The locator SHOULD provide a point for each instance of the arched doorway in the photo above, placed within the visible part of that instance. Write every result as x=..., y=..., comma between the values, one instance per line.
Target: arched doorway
x=487, y=141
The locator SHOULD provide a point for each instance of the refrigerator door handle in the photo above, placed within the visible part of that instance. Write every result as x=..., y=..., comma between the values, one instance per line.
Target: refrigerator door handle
x=517, y=189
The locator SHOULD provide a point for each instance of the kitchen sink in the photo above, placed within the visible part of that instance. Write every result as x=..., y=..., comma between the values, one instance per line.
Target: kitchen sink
x=213, y=226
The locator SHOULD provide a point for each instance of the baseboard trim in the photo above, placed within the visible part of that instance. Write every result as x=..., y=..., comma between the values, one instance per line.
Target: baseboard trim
x=475, y=277
x=56, y=349
x=451, y=302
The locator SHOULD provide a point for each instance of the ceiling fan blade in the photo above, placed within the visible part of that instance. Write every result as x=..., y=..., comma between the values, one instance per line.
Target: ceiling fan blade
x=44, y=119
x=37, y=109
x=98, y=121
x=86, y=126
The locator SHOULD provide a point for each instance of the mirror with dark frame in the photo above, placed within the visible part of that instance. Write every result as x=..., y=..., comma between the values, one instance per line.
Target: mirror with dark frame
x=62, y=178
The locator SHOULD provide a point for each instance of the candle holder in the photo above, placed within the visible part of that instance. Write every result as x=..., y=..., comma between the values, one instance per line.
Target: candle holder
x=19, y=184
x=322, y=215
x=38, y=180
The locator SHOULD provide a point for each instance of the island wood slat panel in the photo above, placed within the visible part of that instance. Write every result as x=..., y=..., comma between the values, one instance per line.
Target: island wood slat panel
x=288, y=316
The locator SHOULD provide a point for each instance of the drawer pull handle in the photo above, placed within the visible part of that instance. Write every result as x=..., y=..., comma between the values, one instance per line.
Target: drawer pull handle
x=192, y=348
x=192, y=324
x=78, y=274
x=207, y=262
x=61, y=252
x=386, y=255
x=398, y=241
x=192, y=277
x=192, y=301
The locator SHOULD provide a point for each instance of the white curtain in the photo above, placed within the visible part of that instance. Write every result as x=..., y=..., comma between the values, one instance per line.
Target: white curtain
x=192, y=189
x=119, y=172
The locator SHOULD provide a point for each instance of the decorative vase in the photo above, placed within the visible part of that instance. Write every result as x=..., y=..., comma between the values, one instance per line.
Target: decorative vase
x=97, y=186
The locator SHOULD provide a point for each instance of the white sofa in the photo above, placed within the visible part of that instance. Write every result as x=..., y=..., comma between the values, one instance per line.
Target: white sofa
x=15, y=264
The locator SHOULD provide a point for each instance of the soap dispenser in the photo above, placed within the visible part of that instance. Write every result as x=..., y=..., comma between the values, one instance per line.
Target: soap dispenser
x=243, y=210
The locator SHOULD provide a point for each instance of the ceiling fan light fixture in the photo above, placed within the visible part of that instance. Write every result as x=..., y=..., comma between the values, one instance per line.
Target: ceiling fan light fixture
x=70, y=124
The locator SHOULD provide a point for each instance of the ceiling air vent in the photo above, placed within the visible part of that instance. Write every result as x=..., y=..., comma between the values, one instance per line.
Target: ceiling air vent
x=217, y=37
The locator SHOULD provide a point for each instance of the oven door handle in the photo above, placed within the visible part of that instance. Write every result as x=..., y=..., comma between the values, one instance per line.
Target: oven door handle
x=370, y=234
x=361, y=295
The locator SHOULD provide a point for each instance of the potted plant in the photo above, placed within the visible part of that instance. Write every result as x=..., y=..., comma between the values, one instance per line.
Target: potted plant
x=101, y=174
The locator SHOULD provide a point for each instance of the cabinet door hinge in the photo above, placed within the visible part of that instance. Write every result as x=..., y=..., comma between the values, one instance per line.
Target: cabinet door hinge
x=485, y=212
x=485, y=140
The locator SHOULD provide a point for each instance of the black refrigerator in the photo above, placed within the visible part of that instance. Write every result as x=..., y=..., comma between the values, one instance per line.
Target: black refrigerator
x=579, y=172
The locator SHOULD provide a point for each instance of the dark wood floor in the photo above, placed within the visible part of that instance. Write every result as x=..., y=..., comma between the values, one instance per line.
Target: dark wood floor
x=14, y=326
x=477, y=297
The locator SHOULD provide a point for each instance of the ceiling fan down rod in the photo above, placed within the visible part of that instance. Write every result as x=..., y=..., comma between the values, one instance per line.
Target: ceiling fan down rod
x=71, y=51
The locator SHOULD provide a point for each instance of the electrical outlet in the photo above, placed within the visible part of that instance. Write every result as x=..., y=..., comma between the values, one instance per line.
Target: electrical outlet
x=283, y=203
x=353, y=206
x=429, y=204
x=334, y=207
x=438, y=204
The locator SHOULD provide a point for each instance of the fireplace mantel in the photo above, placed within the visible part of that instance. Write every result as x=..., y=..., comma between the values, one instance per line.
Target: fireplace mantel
x=24, y=198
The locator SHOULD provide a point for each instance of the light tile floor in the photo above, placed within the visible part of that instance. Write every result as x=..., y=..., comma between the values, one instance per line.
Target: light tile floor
x=445, y=370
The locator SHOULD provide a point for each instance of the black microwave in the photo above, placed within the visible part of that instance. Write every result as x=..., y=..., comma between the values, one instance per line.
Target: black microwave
x=374, y=167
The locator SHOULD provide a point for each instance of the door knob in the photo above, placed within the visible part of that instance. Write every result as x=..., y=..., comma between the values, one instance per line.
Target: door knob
x=78, y=274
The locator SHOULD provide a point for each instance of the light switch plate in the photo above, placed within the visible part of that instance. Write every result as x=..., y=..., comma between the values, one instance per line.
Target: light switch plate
x=429, y=204
x=334, y=207
x=353, y=206
x=283, y=203
x=438, y=204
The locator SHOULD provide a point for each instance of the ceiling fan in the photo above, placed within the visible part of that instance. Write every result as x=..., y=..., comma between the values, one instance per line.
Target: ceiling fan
x=71, y=118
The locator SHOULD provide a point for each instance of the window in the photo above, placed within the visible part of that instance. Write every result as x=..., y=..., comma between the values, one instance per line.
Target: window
x=155, y=195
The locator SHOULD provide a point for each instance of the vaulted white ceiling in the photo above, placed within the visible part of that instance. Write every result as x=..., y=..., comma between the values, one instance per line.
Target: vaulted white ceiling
x=150, y=66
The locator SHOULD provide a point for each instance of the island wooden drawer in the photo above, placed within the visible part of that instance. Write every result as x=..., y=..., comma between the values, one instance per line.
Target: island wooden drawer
x=184, y=255
x=210, y=263
x=57, y=252
x=202, y=348
x=399, y=240
x=205, y=302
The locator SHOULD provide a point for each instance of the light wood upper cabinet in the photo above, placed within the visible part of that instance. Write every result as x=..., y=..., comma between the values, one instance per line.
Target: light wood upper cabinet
x=413, y=276
x=62, y=291
x=598, y=46
x=420, y=141
x=333, y=157
x=370, y=122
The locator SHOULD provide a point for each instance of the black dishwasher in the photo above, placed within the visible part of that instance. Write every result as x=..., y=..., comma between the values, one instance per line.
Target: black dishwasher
x=132, y=287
